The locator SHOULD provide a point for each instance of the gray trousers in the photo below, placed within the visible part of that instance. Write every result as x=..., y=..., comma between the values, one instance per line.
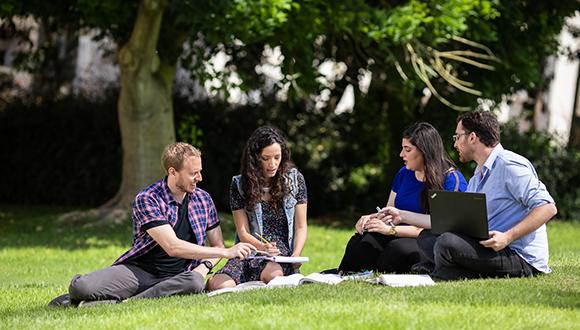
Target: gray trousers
x=120, y=282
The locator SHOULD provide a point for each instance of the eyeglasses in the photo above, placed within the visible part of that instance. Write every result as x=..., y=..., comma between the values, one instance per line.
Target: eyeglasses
x=456, y=136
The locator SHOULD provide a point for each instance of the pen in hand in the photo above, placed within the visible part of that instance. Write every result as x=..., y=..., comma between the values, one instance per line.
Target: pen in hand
x=389, y=221
x=365, y=227
x=265, y=241
x=262, y=238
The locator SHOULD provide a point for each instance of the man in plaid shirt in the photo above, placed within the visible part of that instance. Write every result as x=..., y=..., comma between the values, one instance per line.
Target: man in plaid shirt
x=172, y=218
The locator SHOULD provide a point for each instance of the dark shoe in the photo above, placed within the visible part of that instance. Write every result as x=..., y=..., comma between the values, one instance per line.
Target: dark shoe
x=85, y=303
x=61, y=301
x=423, y=268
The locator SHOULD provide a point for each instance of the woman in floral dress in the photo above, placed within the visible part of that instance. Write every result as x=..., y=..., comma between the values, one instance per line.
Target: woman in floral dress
x=268, y=200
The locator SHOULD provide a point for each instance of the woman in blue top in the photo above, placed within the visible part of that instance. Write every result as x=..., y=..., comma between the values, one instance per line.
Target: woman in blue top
x=268, y=200
x=379, y=246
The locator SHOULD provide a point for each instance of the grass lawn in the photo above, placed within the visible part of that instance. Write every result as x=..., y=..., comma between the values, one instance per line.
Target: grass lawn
x=38, y=257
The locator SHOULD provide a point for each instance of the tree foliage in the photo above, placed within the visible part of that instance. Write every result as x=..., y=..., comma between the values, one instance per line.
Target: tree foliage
x=461, y=50
x=375, y=35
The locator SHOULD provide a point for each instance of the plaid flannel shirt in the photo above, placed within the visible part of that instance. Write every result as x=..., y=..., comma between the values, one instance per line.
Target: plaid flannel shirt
x=156, y=203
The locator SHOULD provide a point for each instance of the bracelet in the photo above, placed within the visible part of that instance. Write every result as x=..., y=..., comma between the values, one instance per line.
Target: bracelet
x=392, y=230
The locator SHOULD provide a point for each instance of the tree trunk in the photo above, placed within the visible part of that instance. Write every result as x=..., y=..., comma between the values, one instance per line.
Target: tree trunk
x=145, y=112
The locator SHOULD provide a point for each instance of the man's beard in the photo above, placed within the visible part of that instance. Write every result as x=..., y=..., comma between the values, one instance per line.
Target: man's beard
x=183, y=187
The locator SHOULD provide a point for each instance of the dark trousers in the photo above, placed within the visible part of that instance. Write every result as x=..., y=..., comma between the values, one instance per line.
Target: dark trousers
x=120, y=282
x=456, y=256
x=374, y=251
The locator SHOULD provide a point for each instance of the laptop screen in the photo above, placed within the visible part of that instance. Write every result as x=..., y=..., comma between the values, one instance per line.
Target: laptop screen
x=458, y=212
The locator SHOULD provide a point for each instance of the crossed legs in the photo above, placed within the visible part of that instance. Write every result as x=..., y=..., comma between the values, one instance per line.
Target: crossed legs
x=374, y=251
x=462, y=257
x=120, y=282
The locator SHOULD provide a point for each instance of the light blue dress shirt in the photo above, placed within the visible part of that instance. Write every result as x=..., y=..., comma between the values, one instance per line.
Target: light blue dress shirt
x=512, y=189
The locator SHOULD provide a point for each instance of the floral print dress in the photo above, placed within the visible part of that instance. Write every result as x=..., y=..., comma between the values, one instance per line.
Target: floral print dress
x=275, y=229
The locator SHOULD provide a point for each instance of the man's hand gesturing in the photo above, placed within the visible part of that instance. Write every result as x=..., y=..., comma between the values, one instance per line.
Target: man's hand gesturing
x=240, y=250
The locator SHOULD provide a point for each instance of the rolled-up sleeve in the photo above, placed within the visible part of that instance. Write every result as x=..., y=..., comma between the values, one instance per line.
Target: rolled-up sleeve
x=525, y=186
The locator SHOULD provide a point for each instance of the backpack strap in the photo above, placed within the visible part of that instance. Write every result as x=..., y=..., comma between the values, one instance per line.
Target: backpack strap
x=456, y=180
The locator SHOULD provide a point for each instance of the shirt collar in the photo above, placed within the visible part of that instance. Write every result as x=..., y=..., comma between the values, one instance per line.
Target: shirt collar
x=491, y=159
x=167, y=195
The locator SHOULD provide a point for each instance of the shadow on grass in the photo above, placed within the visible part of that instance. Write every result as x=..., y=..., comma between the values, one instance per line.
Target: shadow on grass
x=39, y=226
x=32, y=226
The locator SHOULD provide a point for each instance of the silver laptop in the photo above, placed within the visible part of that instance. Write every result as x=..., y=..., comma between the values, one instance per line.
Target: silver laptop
x=458, y=212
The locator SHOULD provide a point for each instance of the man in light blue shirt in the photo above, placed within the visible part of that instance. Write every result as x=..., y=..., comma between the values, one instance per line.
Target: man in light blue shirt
x=518, y=207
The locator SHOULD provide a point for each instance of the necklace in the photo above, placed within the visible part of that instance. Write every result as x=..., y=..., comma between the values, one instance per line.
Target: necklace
x=266, y=189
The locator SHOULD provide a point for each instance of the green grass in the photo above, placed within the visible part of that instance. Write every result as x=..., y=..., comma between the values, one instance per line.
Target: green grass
x=38, y=256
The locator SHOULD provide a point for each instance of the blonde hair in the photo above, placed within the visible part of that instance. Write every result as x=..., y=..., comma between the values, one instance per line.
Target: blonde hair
x=175, y=153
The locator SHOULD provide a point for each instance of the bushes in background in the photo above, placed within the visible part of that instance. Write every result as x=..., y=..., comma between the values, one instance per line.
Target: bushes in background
x=69, y=152
x=329, y=153
x=66, y=153
x=557, y=167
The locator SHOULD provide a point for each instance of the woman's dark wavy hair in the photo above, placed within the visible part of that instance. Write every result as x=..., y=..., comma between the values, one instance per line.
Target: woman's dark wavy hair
x=437, y=162
x=251, y=171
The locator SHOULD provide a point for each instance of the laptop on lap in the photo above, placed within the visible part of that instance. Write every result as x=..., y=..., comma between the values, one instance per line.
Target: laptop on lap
x=458, y=212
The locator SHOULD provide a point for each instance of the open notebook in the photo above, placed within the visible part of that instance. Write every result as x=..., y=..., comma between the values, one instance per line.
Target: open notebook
x=401, y=280
x=283, y=281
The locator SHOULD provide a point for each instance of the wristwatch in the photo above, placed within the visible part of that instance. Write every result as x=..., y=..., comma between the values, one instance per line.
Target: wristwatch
x=393, y=230
x=207, y=264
